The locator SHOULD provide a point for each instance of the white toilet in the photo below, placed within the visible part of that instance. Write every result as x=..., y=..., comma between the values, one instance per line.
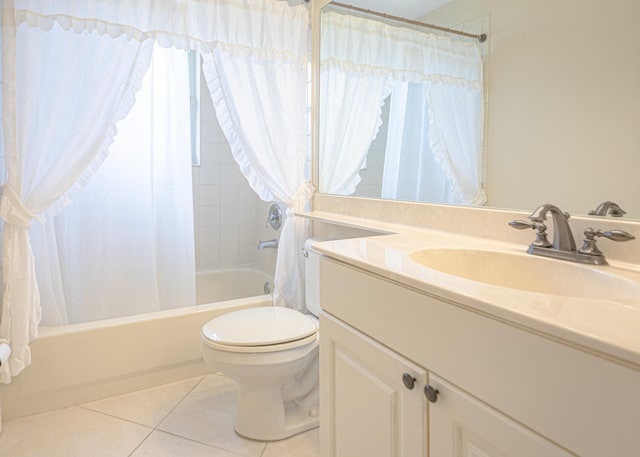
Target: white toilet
x=272, y=352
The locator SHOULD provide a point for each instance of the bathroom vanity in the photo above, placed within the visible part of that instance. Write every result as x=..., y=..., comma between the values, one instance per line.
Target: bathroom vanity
x=417, y=362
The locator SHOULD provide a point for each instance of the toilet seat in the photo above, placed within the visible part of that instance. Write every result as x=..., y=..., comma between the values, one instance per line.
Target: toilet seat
x=262, y=329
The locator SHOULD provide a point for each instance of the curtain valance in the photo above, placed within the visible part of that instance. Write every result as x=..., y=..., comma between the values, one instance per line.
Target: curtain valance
x=201, y=25
x=354, y=44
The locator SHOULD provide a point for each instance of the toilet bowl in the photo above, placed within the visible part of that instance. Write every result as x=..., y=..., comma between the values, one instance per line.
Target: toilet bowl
x=272, y=353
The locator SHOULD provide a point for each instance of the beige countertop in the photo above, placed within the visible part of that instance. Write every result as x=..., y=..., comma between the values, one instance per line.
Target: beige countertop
x=604, y=326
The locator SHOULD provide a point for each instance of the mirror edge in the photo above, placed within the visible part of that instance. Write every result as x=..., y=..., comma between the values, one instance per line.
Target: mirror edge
x=316, y=9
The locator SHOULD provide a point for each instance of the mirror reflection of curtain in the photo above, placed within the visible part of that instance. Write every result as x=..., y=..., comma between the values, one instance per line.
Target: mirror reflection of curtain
x=410, y=171
x=125, y=244
x=348, y=125
x=450, y=74
x=433, y=145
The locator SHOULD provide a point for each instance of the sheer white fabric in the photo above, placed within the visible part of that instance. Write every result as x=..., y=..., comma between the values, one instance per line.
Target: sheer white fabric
x=373, y=48
x=410, y=171
x=359, y=52
x=255, y=56
x=55, y=150
x=350, y=109
x=125, y=245
x=48, y=161
x=260, y=104
x=455, y=134
x=261, y=28
x=428, y=161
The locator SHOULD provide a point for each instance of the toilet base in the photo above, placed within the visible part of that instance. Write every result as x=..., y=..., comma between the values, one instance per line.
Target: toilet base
x=257, y=401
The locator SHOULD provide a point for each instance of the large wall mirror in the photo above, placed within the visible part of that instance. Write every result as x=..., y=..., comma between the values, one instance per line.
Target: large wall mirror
x=556, y=107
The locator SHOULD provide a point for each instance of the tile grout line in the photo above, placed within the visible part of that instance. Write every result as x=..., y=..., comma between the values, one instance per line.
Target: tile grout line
x=179, y=402
x=141, y=442
x=198, y=441
x=113, y=417
x=150, y=427
x=204, y=443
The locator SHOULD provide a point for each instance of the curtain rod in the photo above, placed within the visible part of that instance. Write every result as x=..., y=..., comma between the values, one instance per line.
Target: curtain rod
x=481, y=37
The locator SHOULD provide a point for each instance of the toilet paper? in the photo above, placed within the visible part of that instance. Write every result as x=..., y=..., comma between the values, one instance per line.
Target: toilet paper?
x=5, y=352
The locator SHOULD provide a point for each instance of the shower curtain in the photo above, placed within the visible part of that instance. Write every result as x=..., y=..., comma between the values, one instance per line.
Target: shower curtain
x=125, y=244
x=47, y=161
x=48, y=166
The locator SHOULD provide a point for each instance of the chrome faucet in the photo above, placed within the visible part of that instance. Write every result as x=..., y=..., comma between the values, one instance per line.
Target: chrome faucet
x=564, y=245
x=562, y=236
x=608, y=207
x=273, y=244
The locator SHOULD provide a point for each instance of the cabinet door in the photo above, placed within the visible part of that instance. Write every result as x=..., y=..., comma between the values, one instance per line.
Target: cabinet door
x=462, y=426
x=366, y=409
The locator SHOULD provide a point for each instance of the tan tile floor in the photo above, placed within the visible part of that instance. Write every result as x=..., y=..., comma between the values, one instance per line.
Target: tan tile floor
x=191, y=418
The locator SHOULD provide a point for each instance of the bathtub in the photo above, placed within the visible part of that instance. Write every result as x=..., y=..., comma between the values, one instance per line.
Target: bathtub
x=78, y=363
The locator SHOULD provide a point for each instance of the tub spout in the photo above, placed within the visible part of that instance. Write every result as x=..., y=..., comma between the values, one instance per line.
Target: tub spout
x=271, y=244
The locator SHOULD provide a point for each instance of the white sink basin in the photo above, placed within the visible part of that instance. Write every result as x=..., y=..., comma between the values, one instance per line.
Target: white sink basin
x=530, y=273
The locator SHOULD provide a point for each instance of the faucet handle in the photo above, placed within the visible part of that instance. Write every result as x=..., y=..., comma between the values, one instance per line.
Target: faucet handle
x=615, y=235
x=521, y=225
x=590, y=248
x=540, y=228
x=274, y=217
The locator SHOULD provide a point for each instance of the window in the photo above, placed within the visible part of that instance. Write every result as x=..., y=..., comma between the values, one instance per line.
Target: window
x=194, y=96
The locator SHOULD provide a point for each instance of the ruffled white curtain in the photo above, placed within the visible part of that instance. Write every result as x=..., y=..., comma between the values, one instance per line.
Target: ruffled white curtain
x=410, y=171
x=414, y=171
x=259, y=96
x=350, y=117
x=268, y=38
x=370, y=51
x=57, y=127
x=125, y=244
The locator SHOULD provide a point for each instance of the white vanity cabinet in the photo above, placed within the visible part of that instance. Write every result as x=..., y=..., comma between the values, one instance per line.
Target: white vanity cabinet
x=374, y=405
x=367, y=409
x=462, y=426
x=503, y=390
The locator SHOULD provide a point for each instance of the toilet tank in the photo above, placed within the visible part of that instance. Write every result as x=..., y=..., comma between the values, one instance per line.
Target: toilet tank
x=312, y=278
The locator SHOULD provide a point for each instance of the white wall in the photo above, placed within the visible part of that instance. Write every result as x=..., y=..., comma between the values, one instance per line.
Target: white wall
x=229, y=216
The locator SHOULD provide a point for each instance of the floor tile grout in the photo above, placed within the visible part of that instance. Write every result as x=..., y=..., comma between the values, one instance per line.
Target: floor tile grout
x=204, y=443
x=146, y=439
x=113, y=416
x=179, y=402
x=141, y=443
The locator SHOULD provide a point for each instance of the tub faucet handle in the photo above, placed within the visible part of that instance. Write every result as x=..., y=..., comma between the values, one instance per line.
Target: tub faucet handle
x=274, y=218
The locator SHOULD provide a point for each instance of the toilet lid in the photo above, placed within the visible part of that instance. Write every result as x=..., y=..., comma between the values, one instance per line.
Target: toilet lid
x=260, y=326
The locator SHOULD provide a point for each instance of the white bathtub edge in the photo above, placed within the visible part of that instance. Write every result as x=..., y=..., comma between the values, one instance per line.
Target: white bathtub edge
x=84, y=362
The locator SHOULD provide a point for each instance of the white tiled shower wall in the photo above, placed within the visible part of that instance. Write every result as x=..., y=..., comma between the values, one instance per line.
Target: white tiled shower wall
x=229, y=217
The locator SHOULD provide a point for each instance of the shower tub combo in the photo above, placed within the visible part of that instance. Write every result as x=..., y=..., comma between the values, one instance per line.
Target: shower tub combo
x=83, y=362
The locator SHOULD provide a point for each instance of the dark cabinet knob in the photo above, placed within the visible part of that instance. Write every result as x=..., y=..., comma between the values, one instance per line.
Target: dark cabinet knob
x=431, y=393
x=408, y=381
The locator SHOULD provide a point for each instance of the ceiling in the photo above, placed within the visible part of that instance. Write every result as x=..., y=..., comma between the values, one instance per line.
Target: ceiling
x=410, y=9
